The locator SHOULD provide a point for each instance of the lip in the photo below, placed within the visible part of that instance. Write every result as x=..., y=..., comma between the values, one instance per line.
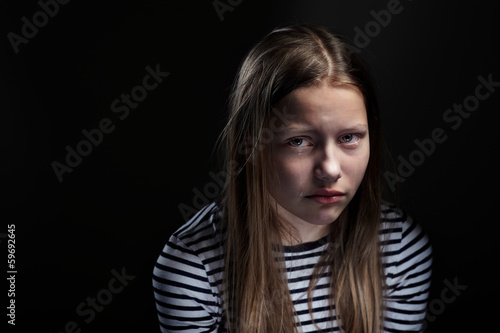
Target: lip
x=325, y=196
x=326, y=193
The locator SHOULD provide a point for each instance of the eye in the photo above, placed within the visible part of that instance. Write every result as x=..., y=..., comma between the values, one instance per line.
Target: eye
x=349, y=139
x=298, y=142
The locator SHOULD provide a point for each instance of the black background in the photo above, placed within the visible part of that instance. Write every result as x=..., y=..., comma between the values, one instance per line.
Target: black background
x=120, y=204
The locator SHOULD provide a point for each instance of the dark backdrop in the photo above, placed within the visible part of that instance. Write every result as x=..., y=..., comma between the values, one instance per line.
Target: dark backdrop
x=64, y=67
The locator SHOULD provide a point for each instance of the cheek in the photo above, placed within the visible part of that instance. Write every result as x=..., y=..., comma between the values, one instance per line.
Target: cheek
x=356, y=167
x=292, y=173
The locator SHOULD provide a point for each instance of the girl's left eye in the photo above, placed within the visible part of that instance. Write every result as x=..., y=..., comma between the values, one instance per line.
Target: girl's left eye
x=349, y=139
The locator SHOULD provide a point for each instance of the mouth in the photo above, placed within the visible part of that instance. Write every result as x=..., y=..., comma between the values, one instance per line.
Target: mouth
x=324, y=196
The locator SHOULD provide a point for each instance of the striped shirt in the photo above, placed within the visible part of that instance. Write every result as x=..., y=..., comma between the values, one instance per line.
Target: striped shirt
x=187, y=277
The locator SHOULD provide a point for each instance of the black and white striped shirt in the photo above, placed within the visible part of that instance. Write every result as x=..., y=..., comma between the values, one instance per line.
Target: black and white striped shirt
x=187, y=277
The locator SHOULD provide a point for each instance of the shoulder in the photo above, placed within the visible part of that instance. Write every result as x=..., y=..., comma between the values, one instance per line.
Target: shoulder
x=399, y=232
x=407, y=259
x=195, y=242
x=191, y=253
x=200, y=230
x=405, y=246
x=187, y=275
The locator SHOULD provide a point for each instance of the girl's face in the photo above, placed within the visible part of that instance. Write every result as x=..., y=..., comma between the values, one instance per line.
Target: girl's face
x=320, y=154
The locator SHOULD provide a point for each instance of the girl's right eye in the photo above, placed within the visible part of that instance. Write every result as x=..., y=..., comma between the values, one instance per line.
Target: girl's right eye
x=299, y=142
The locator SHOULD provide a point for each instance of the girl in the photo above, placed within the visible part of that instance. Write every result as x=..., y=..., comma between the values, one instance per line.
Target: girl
x=300, y=240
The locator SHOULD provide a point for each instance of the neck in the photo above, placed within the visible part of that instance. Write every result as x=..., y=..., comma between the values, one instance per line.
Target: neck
x=299, y=231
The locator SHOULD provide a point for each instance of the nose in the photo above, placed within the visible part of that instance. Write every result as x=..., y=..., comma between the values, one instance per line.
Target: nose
x=328, y=165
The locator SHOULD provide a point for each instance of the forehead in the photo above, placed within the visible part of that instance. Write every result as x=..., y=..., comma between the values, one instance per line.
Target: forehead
x=325, y=104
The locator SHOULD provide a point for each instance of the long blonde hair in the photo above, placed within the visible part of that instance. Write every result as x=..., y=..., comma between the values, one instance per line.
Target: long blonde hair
x=255, y=291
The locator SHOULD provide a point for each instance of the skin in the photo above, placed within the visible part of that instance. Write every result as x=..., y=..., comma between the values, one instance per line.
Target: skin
x=324, y=146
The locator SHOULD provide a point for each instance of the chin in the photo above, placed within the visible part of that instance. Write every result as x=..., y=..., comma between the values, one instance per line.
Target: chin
x=324, y=220
x=326, y=216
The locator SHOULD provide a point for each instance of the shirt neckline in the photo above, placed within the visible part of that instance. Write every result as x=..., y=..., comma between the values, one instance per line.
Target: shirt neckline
x=304, y=247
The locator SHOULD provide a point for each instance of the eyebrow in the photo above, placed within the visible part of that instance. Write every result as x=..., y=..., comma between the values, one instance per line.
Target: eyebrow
x=357, y=128
x=306, y=128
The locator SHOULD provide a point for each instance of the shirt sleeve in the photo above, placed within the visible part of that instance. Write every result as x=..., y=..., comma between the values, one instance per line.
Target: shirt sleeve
x=185, y=300
x=408, y=276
